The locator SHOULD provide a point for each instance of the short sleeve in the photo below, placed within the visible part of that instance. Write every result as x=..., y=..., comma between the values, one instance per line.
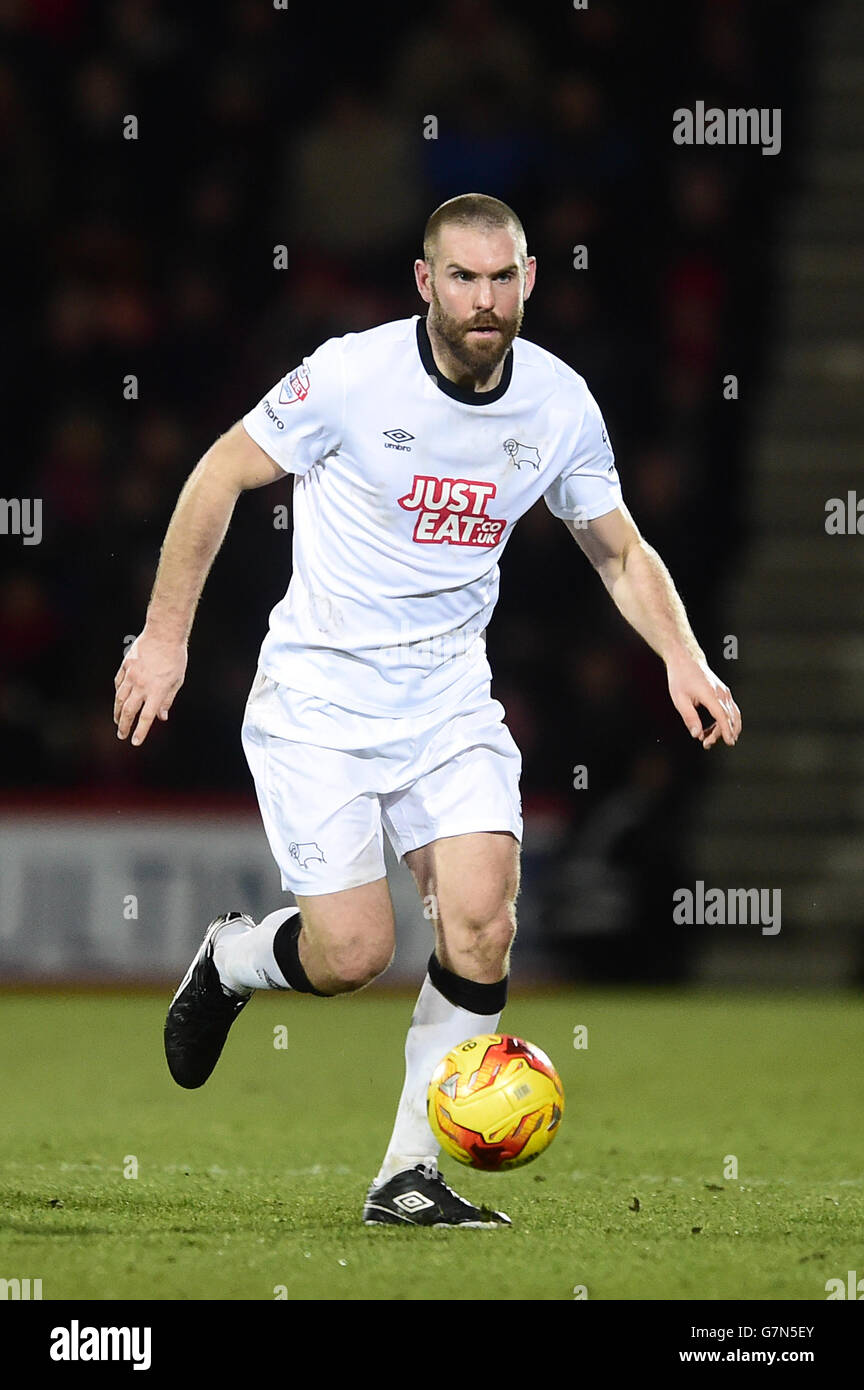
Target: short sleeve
x=588, y=485
x=299, y=421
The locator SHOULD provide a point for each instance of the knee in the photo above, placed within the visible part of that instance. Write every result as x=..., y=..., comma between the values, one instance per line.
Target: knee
x=488, y=929
x=353, y=964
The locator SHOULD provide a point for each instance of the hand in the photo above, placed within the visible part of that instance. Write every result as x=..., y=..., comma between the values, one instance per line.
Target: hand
x=692, y=683
x=150, y=675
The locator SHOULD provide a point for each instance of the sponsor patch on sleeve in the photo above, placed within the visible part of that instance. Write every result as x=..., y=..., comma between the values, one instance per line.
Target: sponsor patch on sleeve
x=295, y=386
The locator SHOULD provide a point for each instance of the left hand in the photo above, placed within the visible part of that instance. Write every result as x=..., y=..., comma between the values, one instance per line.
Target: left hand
x=692, y=683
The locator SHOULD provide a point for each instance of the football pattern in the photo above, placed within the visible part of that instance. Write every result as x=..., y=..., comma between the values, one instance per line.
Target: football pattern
x=495, y=1102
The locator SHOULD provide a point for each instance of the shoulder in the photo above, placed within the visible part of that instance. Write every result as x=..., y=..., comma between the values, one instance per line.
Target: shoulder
x=336, y=362
x=552, y=375
x=370, y=345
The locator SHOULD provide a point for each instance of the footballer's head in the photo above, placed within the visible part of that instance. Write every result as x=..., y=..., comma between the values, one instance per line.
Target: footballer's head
x=475, y=276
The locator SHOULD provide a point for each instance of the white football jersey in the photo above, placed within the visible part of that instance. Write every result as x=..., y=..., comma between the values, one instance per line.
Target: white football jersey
x=406, y=490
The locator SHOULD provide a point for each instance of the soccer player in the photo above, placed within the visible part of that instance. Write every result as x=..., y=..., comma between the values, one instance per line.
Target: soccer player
x=415, y=448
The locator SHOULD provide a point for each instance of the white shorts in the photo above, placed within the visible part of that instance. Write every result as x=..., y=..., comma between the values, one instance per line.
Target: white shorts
x=326, y=803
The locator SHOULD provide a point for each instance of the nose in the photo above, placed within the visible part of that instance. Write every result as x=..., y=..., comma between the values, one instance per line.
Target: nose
x=484, y=293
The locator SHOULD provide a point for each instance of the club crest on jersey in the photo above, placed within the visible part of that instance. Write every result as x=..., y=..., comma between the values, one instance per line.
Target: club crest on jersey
x=295, y=386
x=522, y=453
x=452, y=511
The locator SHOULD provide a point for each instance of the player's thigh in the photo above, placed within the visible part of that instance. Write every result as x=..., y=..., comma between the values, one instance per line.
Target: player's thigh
x=353, y=930
x=469, y=881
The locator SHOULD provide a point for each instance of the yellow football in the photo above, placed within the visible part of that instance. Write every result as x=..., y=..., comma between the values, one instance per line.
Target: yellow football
x=495, y=1102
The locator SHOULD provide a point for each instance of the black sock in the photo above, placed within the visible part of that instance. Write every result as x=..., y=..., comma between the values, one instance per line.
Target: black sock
x=287, y=956
x=467, y=994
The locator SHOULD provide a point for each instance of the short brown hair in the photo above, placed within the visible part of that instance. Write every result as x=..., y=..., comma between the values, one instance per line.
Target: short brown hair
x=474, y=210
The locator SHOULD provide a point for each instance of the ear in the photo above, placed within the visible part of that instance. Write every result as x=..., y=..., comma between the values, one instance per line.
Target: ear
x=423, y=277
x=530, y=276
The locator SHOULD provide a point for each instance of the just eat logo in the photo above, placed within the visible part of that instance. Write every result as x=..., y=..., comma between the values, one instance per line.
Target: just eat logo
x=452, y=510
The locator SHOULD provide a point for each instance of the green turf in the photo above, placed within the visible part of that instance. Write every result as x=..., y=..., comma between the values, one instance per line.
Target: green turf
x=257, y=1180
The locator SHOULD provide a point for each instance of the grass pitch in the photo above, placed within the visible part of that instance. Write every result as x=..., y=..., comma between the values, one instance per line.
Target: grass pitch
x=252, y=1187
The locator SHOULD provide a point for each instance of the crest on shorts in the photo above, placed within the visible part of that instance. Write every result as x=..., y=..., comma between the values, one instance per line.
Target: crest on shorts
x=304, y=854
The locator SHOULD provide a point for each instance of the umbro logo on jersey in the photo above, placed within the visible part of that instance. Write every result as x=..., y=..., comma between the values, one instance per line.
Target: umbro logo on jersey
x=412, y=1201
x=399, y=440
x=522, y=453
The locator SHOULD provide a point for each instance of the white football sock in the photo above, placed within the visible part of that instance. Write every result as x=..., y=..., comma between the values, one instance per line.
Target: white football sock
x=244, y=957
x=436, y=1027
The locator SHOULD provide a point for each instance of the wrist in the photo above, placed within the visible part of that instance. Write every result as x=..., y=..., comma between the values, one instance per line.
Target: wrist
x=166, y=628
x=683, y=654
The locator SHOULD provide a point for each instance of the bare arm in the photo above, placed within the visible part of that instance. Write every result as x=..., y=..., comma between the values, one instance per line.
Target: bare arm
x=154, y=667
x=642, y=589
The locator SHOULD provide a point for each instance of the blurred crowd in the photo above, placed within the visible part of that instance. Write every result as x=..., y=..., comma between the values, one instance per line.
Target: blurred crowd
x=152, y=258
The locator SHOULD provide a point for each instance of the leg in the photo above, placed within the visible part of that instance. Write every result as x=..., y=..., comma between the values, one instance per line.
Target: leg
x=470, y=882
x=458, y=826
x=324, y=828
x=336, y=943
x=346, y=939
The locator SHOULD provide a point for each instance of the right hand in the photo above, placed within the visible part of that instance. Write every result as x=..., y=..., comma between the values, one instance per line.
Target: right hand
x=151, y=673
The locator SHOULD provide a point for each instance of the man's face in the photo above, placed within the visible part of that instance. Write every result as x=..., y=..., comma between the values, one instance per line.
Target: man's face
x=476, y=289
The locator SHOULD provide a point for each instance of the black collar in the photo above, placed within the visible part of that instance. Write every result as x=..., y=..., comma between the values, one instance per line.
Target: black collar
x=460, y=393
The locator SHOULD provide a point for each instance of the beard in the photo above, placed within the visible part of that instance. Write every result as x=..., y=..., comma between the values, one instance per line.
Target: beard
x=479, y=356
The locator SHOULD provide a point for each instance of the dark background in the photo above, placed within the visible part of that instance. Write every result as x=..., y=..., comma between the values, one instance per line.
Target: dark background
x=154, y=256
